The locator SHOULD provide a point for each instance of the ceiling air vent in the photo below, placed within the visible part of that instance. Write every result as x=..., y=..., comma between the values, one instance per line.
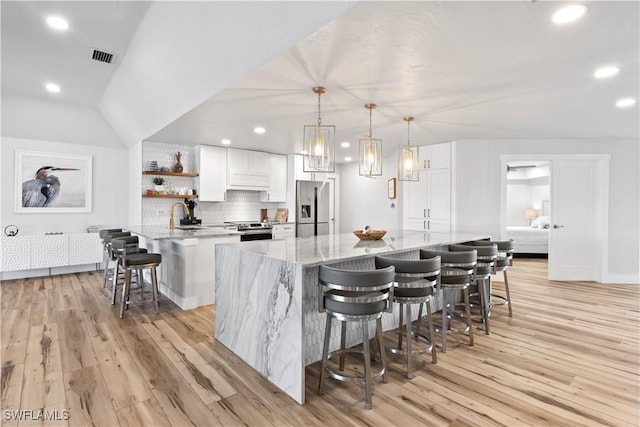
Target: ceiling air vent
x=99, y=55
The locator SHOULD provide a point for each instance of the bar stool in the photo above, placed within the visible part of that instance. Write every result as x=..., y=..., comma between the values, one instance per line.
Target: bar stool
x=486, y=255
x=137, y=261
x=457, y=271
x=506, y=248
x=414, y=284
x=106, y=236
x=354, y=296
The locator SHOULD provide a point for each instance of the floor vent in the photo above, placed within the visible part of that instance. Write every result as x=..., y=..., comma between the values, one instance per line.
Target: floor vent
x=102, y=56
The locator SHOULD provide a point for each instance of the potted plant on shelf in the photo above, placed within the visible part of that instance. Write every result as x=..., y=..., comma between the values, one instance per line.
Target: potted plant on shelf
x=159, y=185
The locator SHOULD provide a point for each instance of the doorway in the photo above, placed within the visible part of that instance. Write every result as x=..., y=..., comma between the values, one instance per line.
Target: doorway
x=578, y=220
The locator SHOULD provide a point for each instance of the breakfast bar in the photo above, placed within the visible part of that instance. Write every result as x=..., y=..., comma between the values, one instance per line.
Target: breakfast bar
x=267, y=296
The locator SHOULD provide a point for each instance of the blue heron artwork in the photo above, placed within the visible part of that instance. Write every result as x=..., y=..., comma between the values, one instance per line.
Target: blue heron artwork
x=53, y=182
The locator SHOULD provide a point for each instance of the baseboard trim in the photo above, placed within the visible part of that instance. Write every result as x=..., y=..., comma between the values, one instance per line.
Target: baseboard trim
x=621, y=279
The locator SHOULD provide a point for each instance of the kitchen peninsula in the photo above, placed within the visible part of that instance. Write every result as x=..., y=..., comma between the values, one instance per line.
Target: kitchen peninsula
x=187, y=270
x=267, y=296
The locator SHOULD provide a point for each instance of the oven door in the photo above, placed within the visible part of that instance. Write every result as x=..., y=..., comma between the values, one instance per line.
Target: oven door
x=256, y=235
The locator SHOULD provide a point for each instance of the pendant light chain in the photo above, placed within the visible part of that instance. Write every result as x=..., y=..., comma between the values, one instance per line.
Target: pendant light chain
x=409, y=132
x=370, y=113
x=319, y=117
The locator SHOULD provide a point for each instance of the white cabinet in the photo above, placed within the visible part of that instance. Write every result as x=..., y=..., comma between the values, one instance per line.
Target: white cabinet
x=211, y=163
x=427, y=203
x=437, y=156
x=16, y=253
x=283, y=231
x=277, y=191
x=247, y=170
x=36, y=251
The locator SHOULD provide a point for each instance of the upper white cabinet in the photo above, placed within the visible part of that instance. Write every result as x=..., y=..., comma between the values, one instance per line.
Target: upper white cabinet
x=277, y=191
x=437, y=156
x=211, y=163
x=247, y=170
x=427, y=203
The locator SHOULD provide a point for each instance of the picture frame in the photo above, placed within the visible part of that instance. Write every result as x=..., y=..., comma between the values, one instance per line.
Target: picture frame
x=52, y=182
x=391, y=190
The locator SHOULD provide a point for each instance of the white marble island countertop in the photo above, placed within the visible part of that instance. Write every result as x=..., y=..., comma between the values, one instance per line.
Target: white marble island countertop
x=310, y=251
x=162, y=232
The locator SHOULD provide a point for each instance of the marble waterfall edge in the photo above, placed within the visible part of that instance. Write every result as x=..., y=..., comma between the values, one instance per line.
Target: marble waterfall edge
x=261, y=319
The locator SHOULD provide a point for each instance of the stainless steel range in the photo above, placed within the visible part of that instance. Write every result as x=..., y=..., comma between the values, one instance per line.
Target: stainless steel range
x=253, y=230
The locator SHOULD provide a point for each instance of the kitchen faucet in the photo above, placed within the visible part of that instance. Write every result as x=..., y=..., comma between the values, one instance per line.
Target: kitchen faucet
x=172, y=222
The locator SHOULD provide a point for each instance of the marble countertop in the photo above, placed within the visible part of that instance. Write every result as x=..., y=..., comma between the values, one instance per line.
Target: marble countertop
x=310, y=251
x=161, y=232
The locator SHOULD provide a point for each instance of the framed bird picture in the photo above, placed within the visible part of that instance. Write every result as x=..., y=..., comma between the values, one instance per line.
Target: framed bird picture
x=52, y=182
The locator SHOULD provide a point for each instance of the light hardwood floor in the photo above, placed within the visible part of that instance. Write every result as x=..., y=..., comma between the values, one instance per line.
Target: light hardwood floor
x=569, y=356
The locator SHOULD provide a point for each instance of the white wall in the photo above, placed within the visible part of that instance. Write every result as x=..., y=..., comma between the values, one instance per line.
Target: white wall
x=109, y=192
x=363, y=201
x=36, y=119
x=479, y=177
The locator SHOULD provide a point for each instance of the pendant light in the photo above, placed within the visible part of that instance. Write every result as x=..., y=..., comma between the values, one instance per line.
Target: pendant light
x=370, y=151
x=319, y=143
x=408, y=157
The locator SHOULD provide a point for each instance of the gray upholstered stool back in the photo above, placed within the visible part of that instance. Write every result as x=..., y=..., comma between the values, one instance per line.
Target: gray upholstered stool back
x=414, y=279
x=486, y=256
x=355, y=295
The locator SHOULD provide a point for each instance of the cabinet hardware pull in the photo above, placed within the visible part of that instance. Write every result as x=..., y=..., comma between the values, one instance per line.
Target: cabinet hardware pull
x=225, y=196
x=429, y=164
x=428, y=213
x=428, y=225
x=424, y=213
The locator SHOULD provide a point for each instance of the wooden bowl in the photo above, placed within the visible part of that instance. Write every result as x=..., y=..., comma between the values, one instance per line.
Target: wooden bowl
x=372, y=235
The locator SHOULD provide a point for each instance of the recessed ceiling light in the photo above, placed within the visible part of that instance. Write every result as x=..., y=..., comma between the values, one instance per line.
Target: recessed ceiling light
x=569, y=13
x=259, y=130
x=345, y=145
x=625, y=102
x=52, y=87
x=347, y=159
x=226, y=141
x=57, y=23
x=607, y=71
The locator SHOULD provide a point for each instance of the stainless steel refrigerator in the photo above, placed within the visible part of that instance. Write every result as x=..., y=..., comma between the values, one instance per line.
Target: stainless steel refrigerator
x=312, y=208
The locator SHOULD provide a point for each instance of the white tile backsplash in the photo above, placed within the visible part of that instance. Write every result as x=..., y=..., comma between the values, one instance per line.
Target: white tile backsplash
x=240, y=205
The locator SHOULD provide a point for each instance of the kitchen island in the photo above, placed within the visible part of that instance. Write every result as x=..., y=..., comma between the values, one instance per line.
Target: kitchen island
x=267, y=296
x=187, y=273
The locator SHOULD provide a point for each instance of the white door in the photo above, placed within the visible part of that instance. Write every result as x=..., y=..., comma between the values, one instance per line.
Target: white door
x=572, y=235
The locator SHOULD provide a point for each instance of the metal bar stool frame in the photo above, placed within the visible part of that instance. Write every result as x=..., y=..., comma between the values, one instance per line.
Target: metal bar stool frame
x=506, y=249
x=106, y=246
x=405, y=283
x=487, y=254
x=358, y=294
x=128, y=255
x=454, y=269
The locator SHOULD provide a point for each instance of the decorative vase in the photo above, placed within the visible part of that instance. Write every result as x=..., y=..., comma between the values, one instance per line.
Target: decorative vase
x=178, y=167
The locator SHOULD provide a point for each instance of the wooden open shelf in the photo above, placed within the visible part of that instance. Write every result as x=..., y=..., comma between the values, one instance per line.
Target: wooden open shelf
x=171, y=196
x=189, y=174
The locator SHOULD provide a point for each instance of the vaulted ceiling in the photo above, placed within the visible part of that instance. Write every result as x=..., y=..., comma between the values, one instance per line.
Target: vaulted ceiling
x=464, y=70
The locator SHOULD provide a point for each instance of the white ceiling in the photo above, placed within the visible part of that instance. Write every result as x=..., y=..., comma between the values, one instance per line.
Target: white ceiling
x=464, y=70
x=34, y=54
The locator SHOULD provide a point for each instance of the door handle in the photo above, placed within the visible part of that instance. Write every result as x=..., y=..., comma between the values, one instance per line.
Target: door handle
x=557, y=226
